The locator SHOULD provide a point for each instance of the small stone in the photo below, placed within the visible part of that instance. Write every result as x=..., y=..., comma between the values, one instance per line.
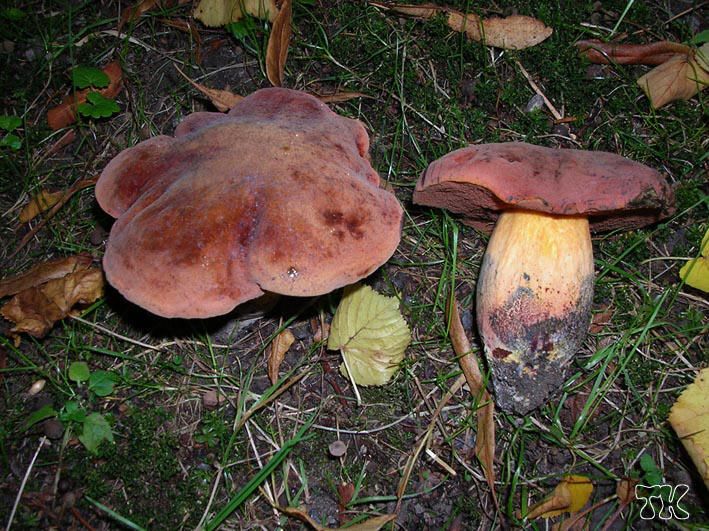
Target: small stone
x=211, y=399
x=562, y=130
x=535, y=103
x=337, y=449
x=36, y=387
x=98, y=236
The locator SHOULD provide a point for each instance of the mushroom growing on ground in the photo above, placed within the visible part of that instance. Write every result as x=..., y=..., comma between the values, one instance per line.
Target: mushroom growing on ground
x=535, y=288
x=276, y=196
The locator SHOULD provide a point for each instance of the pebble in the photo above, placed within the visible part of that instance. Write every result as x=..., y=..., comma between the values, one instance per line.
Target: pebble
x=53, y=429
x=535, y=103
x=337, y=448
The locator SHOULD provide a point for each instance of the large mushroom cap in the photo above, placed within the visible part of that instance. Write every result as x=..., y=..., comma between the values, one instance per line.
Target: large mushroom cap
x=278, y=196
x=480, y=181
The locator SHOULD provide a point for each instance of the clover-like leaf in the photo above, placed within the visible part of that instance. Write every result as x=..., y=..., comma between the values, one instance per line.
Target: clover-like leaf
x=89, y=76
x=10, y=123
x=96, y=430
x=79, y=371
x=371, y=334
x=101, y=383
x=98, y=106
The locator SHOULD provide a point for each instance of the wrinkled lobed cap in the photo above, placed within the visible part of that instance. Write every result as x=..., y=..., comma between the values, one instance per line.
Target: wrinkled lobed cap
x=277, y=196
x=480, y=181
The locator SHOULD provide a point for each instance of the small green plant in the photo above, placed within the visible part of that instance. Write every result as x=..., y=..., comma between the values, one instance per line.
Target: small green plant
x=96, y=105
x=95, y=428
x=9, y=124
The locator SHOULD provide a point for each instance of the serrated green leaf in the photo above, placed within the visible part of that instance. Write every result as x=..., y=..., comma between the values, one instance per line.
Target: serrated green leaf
x=11, y=141
x=10, y=123
x=98, y=106
x=72, y=412
x=39, y=415
x=89, y=76
x=371, y=333
x=79, y=371
x=101, y=382
x=96, y=430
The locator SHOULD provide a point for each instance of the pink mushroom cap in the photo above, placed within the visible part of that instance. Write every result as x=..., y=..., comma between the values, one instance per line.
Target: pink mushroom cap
x=277, y=196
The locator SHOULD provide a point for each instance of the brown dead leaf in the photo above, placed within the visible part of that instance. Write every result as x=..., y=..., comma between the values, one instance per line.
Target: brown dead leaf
x=654, y=53
x=43, y=201
x=485, y=441
x=221, y=12
x=35, y=310
x=223, y=100
x=570, y=495
x=601, y=319
x=626, y=491
x=65, y=113
x=278, y=41
x=680, y=78
x=371, y=524
x=516, y=32
x=67, y=138
x=279, y=347
x=41, y=273
x=340, y=96
x=134, y=13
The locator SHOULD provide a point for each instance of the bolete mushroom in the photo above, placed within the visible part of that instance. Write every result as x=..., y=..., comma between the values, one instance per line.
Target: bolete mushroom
x=277, y=196
x=535, y=288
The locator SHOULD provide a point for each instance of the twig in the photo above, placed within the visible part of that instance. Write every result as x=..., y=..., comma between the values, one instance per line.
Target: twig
x=24, y=482
x=536, y=89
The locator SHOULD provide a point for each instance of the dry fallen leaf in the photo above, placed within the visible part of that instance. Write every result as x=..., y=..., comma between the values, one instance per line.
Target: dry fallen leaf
x=689, y=417
x=569, y=496
x=625, y=490
x=278, y=41
x=655, y=53
x=35, y=310
x=516, y=32
x=485, y=438
x=279, y=347
x=221, y=12
x=680, y=78
x=371, y=334
x=134, y=13
x=65, y=113
x=371, y=524
x=41, y=202
x=41, y=273
x=340, y=96
x=223, y=100
x=696, y=272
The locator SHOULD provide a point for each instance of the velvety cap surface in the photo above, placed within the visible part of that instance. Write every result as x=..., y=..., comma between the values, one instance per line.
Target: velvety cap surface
x=480, y=181
x=277, y=195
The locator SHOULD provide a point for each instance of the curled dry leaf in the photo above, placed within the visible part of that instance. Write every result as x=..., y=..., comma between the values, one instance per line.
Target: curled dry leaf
x=485, y=438
x=221, y=12
x=65, y=113
x=278, y=41
x=279, y=347
x=41, y=273
x=223, y=100
x=625, y=490
x=340, y=96
x=689, y=417
x=134, y=13
x=516, y=32
x=35, y=310
x=371, y=524
x=680, y=78
x=41, y=202
x=569, y=496
x=654, y=53
x=371, y=334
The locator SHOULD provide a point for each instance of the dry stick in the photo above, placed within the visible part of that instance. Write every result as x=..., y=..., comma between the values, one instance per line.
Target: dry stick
x=76, y=187
x=24, y=482
x=536, y=89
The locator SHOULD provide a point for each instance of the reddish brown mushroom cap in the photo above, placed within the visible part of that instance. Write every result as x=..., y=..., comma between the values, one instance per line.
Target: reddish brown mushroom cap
x=480, y=181
x=277, y=195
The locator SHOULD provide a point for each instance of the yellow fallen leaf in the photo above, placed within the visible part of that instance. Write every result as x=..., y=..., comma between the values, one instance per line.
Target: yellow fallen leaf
x=371, y=524
x=278, y=41
x=221, y=12
x=569, y=496
x=35, y=310
x=696, y=272
x=42, y=202
x=41, y=273
x=371, y=334
x=679, y=78
x=279, y=347
x=689, y=417
x=515, y=32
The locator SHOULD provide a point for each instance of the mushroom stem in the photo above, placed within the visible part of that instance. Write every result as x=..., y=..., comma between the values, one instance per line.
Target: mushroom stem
x=534, y=300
